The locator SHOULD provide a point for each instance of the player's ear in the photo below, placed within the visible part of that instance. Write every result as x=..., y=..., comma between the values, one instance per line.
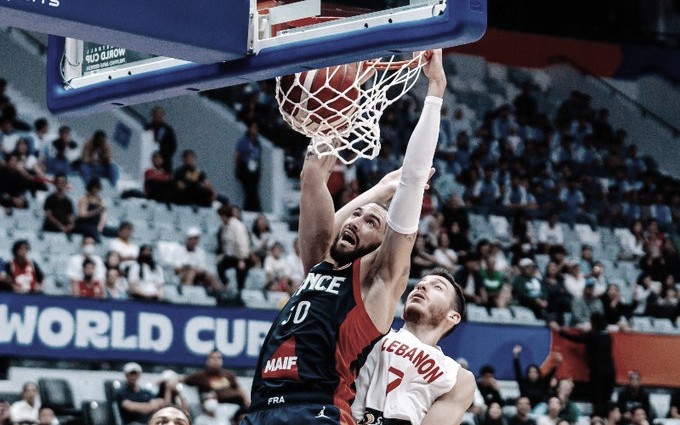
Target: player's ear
x=453, y=317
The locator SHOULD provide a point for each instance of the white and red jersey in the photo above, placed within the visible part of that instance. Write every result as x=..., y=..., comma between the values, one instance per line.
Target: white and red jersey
x=401, y=379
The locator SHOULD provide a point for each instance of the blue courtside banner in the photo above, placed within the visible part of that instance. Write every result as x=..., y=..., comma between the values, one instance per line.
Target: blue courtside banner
x=37, y=326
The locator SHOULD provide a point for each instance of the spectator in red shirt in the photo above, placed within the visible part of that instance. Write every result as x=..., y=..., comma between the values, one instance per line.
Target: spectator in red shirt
x=158, y=184
x=88, y=286
x=24, y=274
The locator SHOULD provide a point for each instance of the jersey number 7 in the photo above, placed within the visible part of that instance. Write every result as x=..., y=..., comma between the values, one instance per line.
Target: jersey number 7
x=395, y=383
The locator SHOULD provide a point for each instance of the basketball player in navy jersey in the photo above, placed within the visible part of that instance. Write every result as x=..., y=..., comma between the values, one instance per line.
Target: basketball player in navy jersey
x=357, y=263
x=407, y=379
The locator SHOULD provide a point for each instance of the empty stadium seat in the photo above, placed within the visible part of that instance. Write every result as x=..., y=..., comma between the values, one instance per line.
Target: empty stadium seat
x=477, y=313
x=501, y=315
x=97, y=413
x=57, y=394
x=253, y=298
x=642, y=323
x=110, y=390
x=525, y=316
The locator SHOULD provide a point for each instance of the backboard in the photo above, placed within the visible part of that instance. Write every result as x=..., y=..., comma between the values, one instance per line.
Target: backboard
x=283, y=37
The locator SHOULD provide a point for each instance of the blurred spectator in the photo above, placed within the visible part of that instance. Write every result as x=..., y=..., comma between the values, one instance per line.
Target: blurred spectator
x=261, y=235
x=661, y=212
x=525, y=103
x=96, y=159
x=26, y=410
x=8, y=135
x=533, y=385
x=529, y=290
x=550, y=233
x=289, y=286
x=634, y=395
x=169, y=390
x=248, y=163
x=115, y=285
x=493, y=415
x=586, y=261
x=191, y=183
x=15, y=182
x=39, y=137
x=486, y=193
x=62, y=152
x=552, y=415
x=208, y=415
x=74, y=268
x=495, y=293
x=295, y=267
x=421, y=259
x=46, y=416
x=616, y=311
x=444, y=255
x=572, y=204
x=58, y=207
x=164, y=136
x=88, y=286
x=597, y=273
x=470, y=278
x=158, y=181
x=123, y=245
x=559, y=299
x=190, y=262
x=488, y=385
x=602, y=374
x=632, y=242
x=275, y=264
x=112, y=260
x=517, y=197
x=522, y=415
x=136, y=403
x=145, y=276
x=24, y=273
x=91, y=217
x=460, y=123
x=570, y=410
x=644, y=291
x=457, y=225
x=233, y=247
x=664, y=305
x=215, y=378
x=639, y=416
x=613, y=415
x=602, y=129
x=583, y=307
x=28, y=161
x=574, y=279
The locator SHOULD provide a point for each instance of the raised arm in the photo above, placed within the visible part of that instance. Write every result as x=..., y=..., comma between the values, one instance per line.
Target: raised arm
x=316, y=223
x=450, y=408
x=389, y=272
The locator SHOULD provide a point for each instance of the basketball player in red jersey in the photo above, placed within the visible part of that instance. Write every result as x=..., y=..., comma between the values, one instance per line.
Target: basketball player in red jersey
x=357, y=263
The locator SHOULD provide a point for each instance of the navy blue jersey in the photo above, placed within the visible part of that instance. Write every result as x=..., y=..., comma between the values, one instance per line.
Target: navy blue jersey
x=317, y=344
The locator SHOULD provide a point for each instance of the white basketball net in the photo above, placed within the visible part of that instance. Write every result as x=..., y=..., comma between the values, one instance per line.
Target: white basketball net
x=352, y=131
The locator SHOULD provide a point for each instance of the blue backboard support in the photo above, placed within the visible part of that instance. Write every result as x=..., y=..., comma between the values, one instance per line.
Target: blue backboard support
x=460, y=22
x=208, y=31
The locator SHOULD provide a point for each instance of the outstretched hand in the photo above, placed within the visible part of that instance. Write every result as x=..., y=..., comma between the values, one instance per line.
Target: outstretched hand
x=434, y=71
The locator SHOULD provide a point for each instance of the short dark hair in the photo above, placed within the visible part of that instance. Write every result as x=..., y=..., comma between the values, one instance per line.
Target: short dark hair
x=487, y=368
x=94, y=182
x=18, y=244
x=458, y=302
x=87, y=261
x=187, y=153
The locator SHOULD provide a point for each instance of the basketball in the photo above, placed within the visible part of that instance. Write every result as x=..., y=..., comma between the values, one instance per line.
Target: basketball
x=323, y=99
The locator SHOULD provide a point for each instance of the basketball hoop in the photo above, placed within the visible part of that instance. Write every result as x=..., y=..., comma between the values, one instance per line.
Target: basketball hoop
x=339, y=108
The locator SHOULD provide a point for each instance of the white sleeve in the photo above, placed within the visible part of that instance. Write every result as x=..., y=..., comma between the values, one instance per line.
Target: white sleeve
x=404, y=212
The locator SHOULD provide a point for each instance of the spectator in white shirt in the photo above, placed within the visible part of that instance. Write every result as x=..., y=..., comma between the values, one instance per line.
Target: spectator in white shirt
x=146, y=276
x=190, y=262
x=233, y=247
x=275, y=264
x=550, y=233
x=74, y=268
x=127, y=250
x=26, y=409
x=295, y=267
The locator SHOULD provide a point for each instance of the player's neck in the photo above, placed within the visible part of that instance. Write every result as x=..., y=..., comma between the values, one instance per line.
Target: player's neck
x=426, y=334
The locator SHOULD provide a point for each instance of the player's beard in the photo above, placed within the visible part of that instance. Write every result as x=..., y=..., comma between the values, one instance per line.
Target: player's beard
x=417, y=316
x=343, y=258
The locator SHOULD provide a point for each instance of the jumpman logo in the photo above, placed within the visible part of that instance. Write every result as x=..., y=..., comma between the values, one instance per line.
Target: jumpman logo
x=322, y=414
